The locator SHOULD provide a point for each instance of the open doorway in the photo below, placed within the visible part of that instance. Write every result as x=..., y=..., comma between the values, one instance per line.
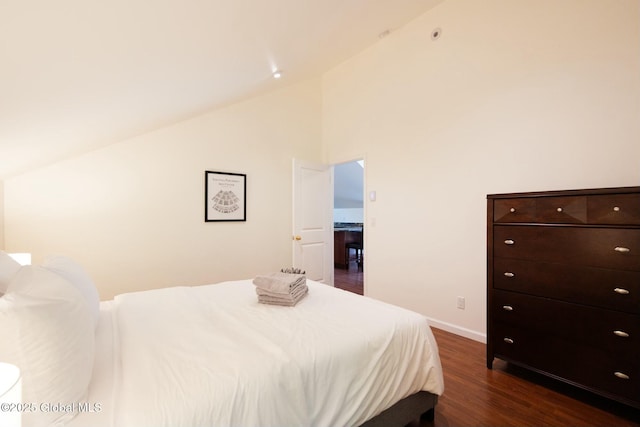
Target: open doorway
x=348, y=226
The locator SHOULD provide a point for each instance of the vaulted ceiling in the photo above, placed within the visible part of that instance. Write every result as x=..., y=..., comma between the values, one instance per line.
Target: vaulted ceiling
x=76, y=75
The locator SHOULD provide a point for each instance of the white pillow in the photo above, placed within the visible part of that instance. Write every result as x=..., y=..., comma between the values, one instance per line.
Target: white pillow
x=79, y=278
x=8, y=268
x=47, y=331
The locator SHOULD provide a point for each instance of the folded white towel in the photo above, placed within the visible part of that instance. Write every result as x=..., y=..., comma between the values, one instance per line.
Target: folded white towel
x=284, y=300
x=280, y=283
x=296, y=291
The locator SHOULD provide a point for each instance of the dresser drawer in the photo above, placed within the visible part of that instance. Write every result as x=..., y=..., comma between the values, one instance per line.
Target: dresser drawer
x=604, y=209
x=615, y=209
x=611, y=289
x=514, y=210
x=562, y=210
x=610, y=248
x=554, y=210
x=617, y=332
x=594, y=368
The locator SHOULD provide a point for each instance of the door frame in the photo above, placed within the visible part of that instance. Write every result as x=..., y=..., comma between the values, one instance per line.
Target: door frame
x=365, y=208
x=330, y=203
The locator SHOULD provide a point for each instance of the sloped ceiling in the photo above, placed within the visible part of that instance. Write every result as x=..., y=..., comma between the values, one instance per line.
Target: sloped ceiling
x=348, y=186
x=79, y=74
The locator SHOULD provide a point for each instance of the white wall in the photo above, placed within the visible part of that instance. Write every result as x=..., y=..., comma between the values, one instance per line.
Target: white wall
x=133, y=213
x=1, y=215
x=514, y=96
x=348, y=215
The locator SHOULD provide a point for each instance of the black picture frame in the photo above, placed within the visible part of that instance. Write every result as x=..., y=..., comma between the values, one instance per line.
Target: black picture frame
x=225, y=196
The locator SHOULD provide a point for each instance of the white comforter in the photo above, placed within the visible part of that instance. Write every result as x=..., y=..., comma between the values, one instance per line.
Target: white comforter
x=213, y=356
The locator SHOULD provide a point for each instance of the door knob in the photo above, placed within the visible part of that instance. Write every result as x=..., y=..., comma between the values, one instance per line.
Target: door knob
x=297, y=237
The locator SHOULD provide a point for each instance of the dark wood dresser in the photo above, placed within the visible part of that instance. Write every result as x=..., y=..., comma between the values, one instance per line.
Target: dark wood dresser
x=563, y=286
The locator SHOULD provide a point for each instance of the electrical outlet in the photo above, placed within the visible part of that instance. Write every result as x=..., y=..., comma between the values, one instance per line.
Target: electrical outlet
x=461, y=303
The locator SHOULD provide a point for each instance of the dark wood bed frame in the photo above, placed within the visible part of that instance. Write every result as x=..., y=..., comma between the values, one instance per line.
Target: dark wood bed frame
x=421, y=405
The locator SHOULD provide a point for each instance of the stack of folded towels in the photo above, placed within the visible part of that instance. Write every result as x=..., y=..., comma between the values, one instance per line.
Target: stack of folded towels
x=284, y=288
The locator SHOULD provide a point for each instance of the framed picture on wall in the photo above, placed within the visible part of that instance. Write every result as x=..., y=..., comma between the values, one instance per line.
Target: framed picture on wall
x=225, y=196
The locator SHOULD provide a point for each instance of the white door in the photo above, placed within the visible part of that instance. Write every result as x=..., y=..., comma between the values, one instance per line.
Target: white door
x=313, y=219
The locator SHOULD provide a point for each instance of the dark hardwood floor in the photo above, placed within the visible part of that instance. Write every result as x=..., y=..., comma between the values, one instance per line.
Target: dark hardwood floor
x=505, y=395
x=512, y=396
x=351, y=280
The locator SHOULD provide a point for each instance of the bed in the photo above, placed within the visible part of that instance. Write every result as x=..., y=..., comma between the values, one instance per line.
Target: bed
x=213, y=356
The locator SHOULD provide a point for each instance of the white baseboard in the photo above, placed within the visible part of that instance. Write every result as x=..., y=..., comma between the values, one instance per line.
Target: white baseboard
x=454, y=329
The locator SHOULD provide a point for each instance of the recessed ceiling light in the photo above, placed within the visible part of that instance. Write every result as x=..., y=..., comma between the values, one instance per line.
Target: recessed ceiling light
x=277, y=74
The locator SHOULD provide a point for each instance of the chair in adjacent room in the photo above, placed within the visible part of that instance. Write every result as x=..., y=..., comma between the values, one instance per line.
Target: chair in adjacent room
x=357, y=246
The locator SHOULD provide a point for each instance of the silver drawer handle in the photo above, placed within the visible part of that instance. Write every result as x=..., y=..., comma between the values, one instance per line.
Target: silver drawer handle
x=622, y=334
x=621, y=291
x=508, y=340
x=621, y=375
x=509, y=274
x=512, y=210
x=622, y=249
x=616, y=209
x=509, y=242
x=559, y=209
x=507, y=308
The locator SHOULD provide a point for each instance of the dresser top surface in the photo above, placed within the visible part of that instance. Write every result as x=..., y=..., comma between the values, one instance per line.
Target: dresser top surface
x=583, y=192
